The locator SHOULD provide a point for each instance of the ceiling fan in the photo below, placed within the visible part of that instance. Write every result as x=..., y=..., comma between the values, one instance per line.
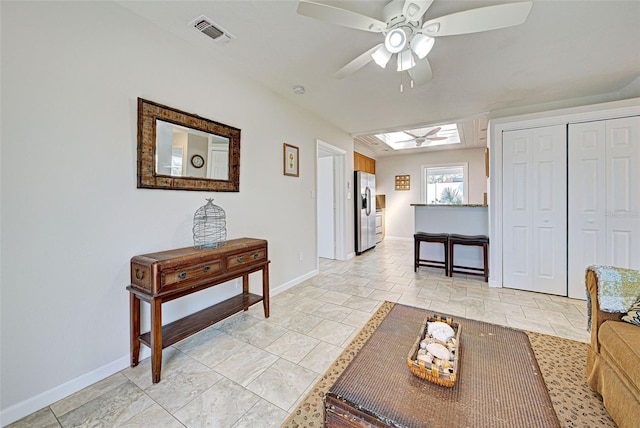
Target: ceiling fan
x=420, y=139
x=406, y=34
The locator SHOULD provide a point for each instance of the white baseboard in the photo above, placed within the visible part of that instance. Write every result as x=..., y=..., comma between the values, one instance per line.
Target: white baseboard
x=398, y=238
x=46, y=398
x=293, y=282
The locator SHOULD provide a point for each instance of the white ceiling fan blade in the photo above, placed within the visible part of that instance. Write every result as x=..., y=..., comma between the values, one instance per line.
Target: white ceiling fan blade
x=433, y=131
x=436, y=138
x=414, y=9
x=336, y=15
x=356, y=64
x=405, y=141
x=477, y=20
x=421, y=72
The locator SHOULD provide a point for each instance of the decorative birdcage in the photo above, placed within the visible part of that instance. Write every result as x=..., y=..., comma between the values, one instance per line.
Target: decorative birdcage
x=209, y=226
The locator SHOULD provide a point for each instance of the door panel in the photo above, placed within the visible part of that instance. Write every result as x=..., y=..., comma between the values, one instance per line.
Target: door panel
x=620, y=248
x=520, y=250
x=587, y=202
x=534, y=209
x=550, y=209
x=546, y=253
x=604, y=197
x=623, y=192
x=326, y=208
x=517, y=212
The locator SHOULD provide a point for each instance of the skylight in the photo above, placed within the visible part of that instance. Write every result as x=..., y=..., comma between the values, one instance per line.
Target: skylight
x=422, y=137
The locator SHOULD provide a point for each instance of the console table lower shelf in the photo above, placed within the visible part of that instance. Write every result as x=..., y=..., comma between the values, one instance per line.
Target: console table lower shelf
x=176, y=331
x=168, y=275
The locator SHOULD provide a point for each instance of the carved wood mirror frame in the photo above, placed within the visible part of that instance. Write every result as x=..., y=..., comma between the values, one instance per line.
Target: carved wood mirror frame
x=148, y=114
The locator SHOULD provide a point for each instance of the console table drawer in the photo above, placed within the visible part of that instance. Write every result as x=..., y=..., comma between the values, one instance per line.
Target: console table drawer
x=244, y=259
x=176, y=277
x=141, y=276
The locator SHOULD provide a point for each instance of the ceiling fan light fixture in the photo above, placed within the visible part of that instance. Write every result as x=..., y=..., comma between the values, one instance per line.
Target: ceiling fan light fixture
x=421, y=45
x=405, y=60
x=381, y=56
x=395, y=40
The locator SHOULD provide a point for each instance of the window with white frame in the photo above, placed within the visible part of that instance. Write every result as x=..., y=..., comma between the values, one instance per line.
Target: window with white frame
x=444, y=184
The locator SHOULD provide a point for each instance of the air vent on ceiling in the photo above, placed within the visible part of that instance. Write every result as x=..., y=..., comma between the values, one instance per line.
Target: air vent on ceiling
x=208, y=27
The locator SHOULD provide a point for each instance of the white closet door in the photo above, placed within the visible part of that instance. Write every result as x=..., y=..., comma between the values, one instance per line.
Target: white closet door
x=587, y=202
x=623, y=192
x=534, y=210
x=604, y=197
x=517, y=203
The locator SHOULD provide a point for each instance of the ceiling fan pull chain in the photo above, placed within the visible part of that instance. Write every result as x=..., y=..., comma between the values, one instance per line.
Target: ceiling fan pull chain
x=401, y=86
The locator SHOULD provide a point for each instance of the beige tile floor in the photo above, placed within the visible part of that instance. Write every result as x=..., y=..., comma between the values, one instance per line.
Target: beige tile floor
x=248, y=371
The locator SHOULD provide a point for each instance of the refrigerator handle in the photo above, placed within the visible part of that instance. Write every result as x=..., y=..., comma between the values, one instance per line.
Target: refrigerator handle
x=368, y=198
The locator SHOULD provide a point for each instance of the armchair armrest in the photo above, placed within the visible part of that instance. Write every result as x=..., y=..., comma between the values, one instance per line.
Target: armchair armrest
x=597, y=316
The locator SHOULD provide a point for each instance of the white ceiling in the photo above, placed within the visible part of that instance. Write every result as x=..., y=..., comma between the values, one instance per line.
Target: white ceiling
x=565, y=50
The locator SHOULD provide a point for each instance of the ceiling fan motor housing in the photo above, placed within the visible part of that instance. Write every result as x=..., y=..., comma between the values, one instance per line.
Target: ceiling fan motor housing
x=392, y=15
x=399, y=31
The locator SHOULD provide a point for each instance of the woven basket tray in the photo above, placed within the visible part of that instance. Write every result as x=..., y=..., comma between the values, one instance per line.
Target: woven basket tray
x=432, y=373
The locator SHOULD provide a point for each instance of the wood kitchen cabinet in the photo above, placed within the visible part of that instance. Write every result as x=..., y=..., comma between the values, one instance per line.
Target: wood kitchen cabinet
x=160, y=277
x=363, y=163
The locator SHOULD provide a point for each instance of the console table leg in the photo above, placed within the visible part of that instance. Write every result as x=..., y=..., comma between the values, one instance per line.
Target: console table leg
x=134, y=309
x=265, y=290
x=156, y=339
x=245, y=289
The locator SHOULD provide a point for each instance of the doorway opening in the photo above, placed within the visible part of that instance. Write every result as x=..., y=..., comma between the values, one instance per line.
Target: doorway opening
x=331, y=211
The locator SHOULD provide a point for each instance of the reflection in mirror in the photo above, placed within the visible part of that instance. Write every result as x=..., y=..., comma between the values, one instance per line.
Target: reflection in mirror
x=182, y=151
x=177, y=145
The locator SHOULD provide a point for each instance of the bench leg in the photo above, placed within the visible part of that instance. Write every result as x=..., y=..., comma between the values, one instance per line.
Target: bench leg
x=446, y=258
x=485, y=250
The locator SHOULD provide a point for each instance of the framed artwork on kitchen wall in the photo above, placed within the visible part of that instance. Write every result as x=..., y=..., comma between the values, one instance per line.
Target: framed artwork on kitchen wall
x=403, y=182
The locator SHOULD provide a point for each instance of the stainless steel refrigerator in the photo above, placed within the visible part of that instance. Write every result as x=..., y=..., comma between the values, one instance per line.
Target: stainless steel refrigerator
x=365, y=211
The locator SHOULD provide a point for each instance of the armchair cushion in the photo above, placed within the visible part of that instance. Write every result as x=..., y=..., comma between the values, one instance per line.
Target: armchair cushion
x=622, y=351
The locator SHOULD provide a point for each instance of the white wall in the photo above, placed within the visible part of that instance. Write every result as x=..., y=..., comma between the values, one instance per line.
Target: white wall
x=71, y=214
x=399, y=214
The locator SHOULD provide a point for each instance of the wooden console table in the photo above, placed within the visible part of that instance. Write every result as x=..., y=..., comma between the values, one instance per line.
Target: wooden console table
x=167, y=275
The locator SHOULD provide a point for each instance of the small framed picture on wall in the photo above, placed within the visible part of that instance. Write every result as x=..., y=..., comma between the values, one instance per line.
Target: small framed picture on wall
x=403, y=182
x=291, y=167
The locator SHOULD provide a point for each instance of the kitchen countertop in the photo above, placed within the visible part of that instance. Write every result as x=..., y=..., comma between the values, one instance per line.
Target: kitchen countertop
x=467, y=219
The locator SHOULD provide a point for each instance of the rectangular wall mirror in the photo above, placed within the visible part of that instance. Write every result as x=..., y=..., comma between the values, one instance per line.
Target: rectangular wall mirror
x=183, y=151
